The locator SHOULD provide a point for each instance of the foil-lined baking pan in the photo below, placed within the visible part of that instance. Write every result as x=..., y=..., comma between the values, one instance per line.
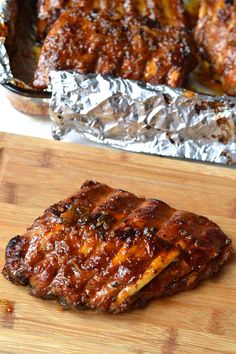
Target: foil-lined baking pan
x=113, y=111
x=18, y=56
x=19, y=50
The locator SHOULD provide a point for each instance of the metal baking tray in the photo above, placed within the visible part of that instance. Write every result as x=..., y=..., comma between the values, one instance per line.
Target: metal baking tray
x=18, y=31
x=18, y=24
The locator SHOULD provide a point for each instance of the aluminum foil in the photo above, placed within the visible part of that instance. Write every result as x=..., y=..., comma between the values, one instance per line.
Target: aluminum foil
x=4, y=11
x=5, y=70
x=17, y=42
x=143, y=118
x=120, y=113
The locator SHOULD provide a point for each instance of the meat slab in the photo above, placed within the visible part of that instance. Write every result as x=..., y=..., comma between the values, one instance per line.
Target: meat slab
x=215, y=35
x=109, y=250
x=168, y=11
x=132, y=47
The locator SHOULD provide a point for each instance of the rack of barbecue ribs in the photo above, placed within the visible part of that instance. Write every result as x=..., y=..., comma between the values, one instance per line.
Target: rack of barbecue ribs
x=110, y=250
x=215, y=35
x=169, y=12
x=135, y=40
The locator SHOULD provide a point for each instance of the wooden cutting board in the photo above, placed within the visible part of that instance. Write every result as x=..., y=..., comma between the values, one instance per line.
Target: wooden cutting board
x=36, y=173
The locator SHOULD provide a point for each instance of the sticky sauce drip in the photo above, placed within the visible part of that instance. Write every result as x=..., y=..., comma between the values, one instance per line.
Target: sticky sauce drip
x=7, y=305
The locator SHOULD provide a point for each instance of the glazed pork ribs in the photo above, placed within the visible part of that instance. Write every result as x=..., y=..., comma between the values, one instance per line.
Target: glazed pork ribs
x=110, y=250
x=48, y=11
x=215, y=35
x=136, y=48
x=170, y=11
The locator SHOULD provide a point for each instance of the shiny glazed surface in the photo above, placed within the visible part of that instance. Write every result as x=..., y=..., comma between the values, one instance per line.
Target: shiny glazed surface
x=108, y=250
x=215, y=35
x=165, y=11
x=136, y=40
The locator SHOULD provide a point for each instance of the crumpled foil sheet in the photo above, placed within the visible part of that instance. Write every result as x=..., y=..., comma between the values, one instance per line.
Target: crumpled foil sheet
x=5, y=70
x=4, y=11
x=129, y=115
x=143, y=118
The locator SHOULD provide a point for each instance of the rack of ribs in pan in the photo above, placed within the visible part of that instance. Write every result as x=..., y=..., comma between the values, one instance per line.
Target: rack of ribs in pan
x=152, y=41
x=138, y=40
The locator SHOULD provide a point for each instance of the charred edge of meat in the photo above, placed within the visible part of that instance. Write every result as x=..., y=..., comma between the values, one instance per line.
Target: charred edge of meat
x=15, y=252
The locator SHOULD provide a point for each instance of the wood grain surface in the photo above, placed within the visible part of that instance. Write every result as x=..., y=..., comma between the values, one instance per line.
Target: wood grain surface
x=36, y=173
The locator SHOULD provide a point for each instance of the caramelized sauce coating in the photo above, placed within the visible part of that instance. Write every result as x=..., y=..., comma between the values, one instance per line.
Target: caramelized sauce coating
x=215, y=35
x=169, y=12
x=136, y=48
x=108, y=249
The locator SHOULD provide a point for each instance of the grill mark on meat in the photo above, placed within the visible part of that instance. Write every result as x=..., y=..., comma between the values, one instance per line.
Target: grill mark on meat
x=191, y=277
x=110, y=221
x=90, y=193
x=146, y=249
x=100, y=256
x=115, y=202
x=91, y=228
x=121, y=224
x=128, y=258
x=97, y=287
